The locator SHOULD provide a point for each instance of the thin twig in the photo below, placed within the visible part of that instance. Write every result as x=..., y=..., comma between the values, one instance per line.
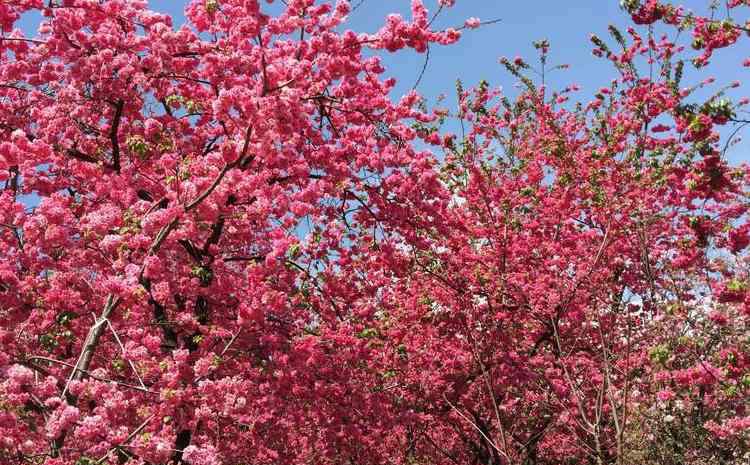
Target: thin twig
x=127, y=439
x=122, y=347
x=89, y=374
x=424, y=68
x=489, y=441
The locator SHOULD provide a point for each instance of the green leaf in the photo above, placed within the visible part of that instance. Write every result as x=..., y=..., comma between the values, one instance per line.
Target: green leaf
x=368, y=333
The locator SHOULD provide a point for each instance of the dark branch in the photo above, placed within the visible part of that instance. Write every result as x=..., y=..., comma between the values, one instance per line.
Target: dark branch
x=113, y=135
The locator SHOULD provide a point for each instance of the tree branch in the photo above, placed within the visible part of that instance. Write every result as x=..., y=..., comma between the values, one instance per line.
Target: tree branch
x=119, y=106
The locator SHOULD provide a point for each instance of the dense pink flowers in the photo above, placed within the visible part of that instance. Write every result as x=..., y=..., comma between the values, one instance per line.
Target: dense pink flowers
x=228, y=243
x=197, y=456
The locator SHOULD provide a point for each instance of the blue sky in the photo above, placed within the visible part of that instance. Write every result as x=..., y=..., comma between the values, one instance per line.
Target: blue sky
x=567, y=24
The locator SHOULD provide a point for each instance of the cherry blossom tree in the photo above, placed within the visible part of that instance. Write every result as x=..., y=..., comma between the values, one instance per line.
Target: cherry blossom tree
x=227, y=243
x=159, y=301
x=589, y=305
x=589, y=302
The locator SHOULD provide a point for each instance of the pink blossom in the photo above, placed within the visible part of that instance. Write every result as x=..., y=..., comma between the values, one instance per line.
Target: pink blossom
x=473, y=23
